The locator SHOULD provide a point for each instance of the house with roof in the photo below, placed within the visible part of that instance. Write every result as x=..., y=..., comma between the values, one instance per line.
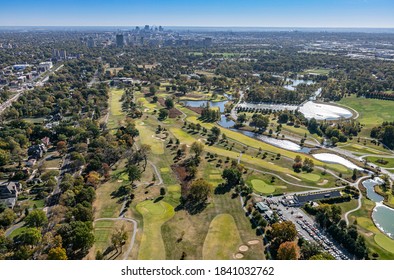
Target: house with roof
x=9, y=193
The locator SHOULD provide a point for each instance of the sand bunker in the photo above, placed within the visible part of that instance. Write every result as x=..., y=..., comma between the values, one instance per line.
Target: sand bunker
x=253, y=242
x=239, y=256
x=243, y=248
x=120, y=181
x=323, y=183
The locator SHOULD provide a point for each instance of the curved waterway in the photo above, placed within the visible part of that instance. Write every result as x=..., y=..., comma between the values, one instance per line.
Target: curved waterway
x=382, y=216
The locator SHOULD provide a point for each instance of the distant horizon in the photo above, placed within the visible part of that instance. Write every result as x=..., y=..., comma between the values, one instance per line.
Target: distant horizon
x=202, y=13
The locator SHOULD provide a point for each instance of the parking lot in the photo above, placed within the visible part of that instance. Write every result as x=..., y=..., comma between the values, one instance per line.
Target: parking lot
x=306, y=227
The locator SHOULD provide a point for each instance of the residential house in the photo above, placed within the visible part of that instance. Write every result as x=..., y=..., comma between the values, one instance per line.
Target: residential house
x=9, y=193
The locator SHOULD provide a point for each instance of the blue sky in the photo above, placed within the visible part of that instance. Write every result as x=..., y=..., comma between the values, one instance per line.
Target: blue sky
x=259, y=13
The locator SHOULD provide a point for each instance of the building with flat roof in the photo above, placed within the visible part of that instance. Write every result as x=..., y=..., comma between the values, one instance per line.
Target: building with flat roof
x=119, y=40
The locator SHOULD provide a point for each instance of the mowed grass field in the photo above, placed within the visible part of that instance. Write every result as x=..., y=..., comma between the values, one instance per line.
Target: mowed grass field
x=377, y=241
x=389, y=164
x=147, y=136
x=222, y=240
x=373, y=112
x=116, y=114
x=154, y=216
x=266, y=147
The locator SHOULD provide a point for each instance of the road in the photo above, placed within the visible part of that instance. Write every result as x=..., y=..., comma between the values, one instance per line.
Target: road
x=234, y=111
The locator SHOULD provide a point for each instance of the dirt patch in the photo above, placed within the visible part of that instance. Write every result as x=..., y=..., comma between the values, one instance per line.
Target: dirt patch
x=243, y=248
x=173, y=112
x=183, y=177
x=253, y=242
x=239, y=256
x=197, y=110
x=323, y=183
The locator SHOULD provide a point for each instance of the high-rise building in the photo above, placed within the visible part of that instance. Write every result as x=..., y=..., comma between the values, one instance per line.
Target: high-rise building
x=91, y=42
x=119, y=40
x=63, y=54
x=146, y=28
x=161, y=29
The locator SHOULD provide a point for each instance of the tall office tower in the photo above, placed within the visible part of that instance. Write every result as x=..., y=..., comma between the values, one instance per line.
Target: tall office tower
x=119, y=40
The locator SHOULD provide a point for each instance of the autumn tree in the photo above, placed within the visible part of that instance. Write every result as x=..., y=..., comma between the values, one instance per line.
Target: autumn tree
x=119, y=238
x=61, y=147
x=288, y=251
x=57, y=253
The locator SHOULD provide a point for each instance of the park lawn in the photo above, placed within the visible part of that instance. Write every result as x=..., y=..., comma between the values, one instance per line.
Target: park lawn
x=358, y=149
x=154, y=216
x=17, y=232
x=116, y=114
x=222, y=240
x=300, y=131
x=390, y=161
x=373, y=112
x=147, y=136
x=347, y=206
x=34, y=120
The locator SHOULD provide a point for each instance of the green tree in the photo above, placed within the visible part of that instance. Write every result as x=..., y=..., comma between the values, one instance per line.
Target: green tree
x=169, y=102
x=232, y=176
x=36, y=218
x=283, y=232
x=197, y=148
x=30, y=236
x=199, y=191
x=134, y=173
x=118, y=239
x=7, y=217
x=4, y=157
x=163, y=114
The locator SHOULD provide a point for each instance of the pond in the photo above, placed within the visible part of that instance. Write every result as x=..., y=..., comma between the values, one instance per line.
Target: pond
x=332, y=158
x=293, y=83
x=284, y=144
x=203, y=103
x=226, y=122
x=382, y=215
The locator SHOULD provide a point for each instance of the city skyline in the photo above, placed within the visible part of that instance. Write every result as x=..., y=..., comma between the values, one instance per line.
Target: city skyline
x=215, y=13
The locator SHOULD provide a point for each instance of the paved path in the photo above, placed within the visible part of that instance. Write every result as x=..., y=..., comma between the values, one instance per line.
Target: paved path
x=12, y=228
x=359, y=200
x=135, y=229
